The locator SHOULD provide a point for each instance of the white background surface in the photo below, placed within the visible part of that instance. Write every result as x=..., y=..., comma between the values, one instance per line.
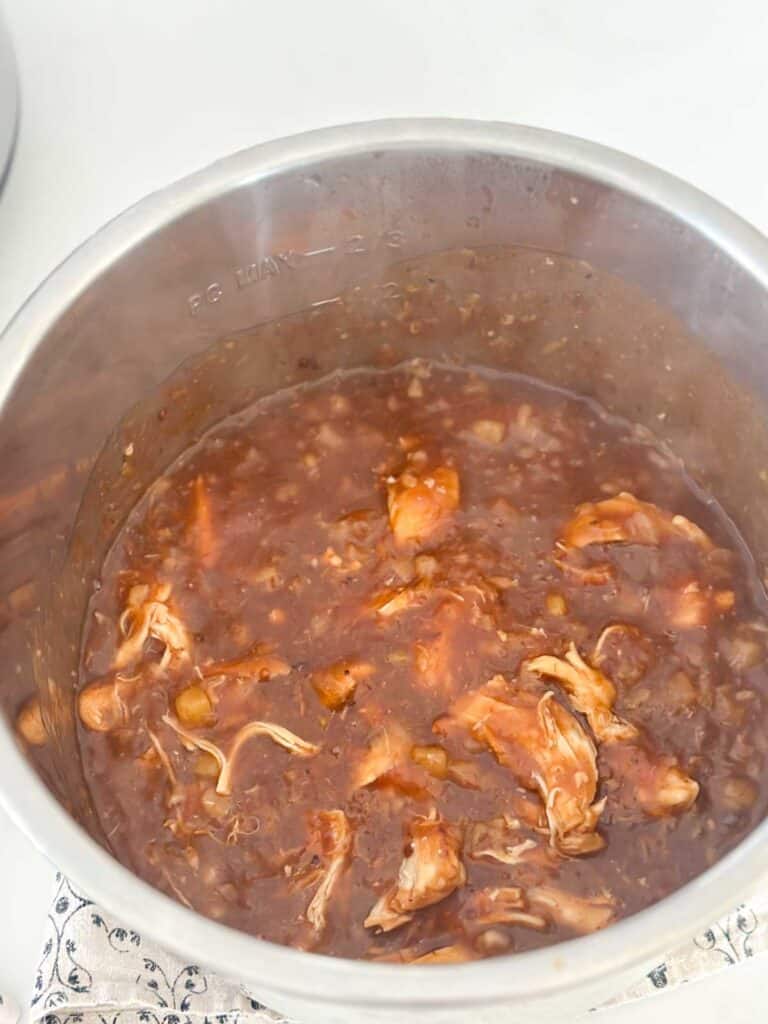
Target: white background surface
x=121, y=98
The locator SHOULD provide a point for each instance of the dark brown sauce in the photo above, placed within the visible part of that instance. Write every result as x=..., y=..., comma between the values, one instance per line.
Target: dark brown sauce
x=273, y=537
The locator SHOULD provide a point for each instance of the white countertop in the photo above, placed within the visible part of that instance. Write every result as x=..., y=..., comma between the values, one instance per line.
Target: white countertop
x=119, y=99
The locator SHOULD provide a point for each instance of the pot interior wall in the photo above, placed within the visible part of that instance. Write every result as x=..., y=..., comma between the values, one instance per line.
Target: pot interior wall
x=369, y=259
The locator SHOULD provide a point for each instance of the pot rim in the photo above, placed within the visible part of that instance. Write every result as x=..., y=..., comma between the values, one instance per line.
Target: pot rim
x=281, y=969
x=9, y=102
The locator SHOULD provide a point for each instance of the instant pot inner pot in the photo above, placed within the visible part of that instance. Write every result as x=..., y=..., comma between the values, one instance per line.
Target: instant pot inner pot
x=366, y=260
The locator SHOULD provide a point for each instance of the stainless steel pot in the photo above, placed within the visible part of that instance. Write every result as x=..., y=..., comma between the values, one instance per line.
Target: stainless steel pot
x=9, y=100
x=292, y=225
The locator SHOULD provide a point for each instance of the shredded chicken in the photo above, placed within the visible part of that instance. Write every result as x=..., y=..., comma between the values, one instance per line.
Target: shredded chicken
x=546, y=749
x=430, y=872
x=178, y=893
x=363, y=557
x=591, y=693
x=625, y=519
x=420, y=503
x=655, y=782
x=148, y=614
x=578, y=914
x=336, y=685
x=506, y=840
x=334, y=839
x=393, y=602
x=277, y=733
x=198, y=742
x=162, y=756
x=258, y=664
x=505, y=905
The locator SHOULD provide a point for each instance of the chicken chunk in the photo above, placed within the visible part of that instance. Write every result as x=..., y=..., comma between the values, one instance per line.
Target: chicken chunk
x=421, y=502
x=627, y=520
x=388, y=749
x=591, y=693
x=148, y=614
x=332, y=836
x=655, y=783
x=505, y=905
x=546, y=749
x=336, y=685
x=691, y=605
x=392, y=761
x=577, y=913
x=431, y=871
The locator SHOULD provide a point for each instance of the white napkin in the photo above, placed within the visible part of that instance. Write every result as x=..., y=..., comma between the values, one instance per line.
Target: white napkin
x=92, y=968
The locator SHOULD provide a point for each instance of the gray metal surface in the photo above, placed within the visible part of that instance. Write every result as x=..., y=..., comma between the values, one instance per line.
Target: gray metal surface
x=295, y=224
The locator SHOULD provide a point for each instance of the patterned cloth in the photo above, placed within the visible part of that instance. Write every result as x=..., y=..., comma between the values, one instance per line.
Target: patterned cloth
x=733, y=938
x=93, y=971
